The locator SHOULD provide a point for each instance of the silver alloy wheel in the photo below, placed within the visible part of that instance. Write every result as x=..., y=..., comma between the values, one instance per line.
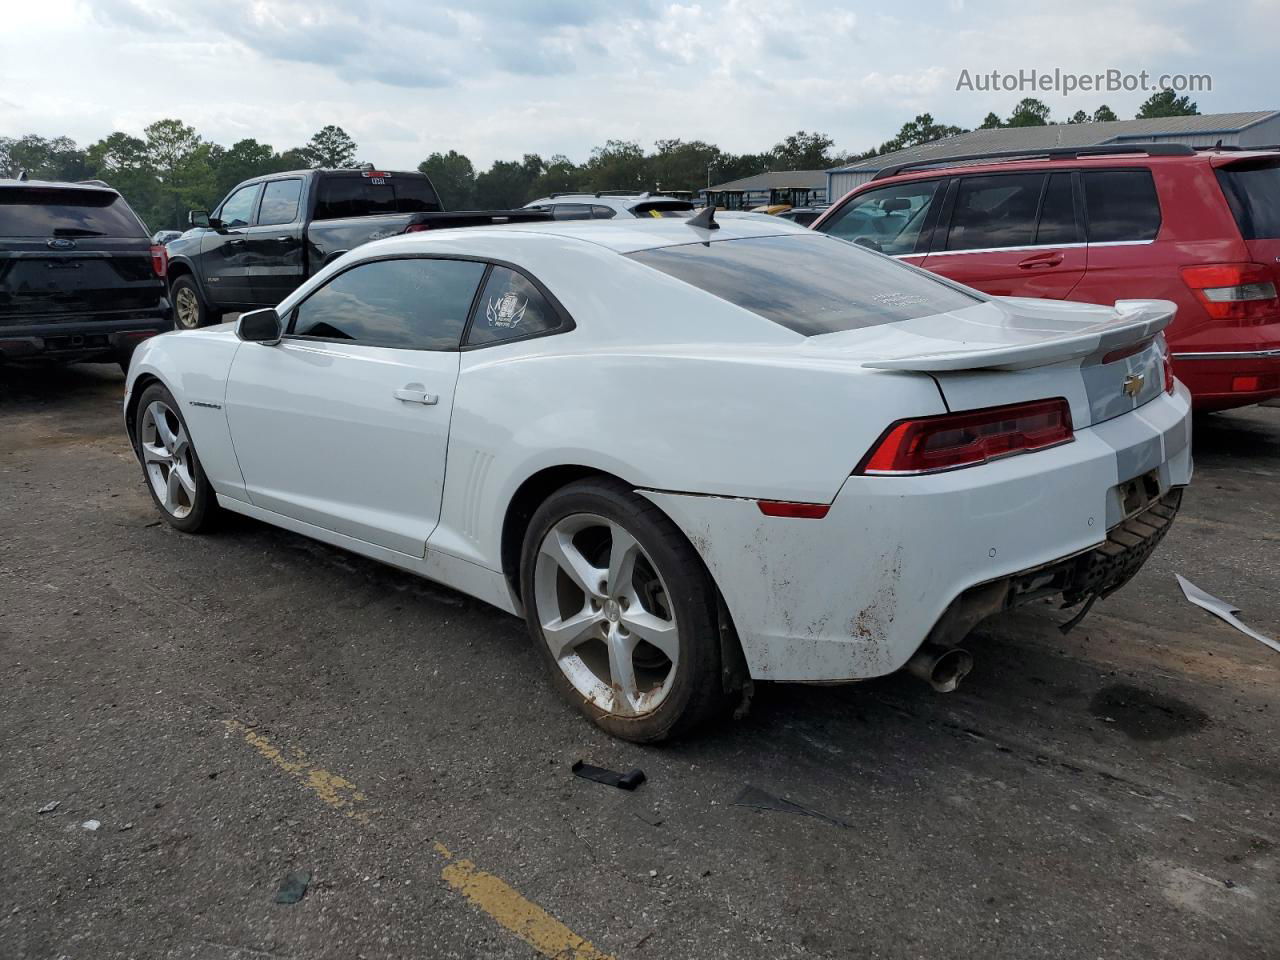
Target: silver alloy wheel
x=605, y=615
x=166, y=455
x=187, y=308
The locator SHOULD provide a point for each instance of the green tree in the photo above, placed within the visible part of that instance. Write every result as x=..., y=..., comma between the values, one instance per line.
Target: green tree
x=1103, y=114
x=560, y=175
x=618, y=165
x=922, y=129
x=677, y=165
x=331, y=148
x=1078, y=117
x=181, y=161
x=1029, y=112
x=243, y=160
x=454, y=178
x=507, y=183
x=803, y=151
x=990, y=122
x=1167, y=103
x=43, y=159
x=121, y=160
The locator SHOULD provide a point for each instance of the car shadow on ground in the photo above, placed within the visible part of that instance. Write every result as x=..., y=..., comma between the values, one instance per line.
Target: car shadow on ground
x=1233, y=435
x=30, y=385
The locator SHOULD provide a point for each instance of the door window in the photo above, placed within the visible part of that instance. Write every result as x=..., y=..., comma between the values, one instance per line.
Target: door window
x=510, y=307
x=572, y=211
x=995, y=211
x=280, y=201
x=1057, y=213
x=889, y=219
x=412, y=304
x=237, y=209
x=1122, y=205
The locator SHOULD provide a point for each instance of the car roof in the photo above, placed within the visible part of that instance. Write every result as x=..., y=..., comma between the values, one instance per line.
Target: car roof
x=1038, y=163
x=621, y=236
x=616, y=200
x=59, y=185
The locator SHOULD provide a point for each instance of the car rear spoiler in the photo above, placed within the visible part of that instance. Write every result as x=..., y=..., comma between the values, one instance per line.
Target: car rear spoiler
x=1135, y=320
x=443, y=219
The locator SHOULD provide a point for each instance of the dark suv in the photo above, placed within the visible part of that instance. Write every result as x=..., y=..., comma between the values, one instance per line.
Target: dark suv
x=1200, y=227
x=78, y=279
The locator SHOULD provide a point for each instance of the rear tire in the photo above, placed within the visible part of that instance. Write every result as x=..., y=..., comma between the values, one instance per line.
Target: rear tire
x=172, y=471
x=190, y=312
x=622, y=611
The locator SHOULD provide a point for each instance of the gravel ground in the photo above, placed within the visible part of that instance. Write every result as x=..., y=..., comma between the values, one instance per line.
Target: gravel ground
x=234, y=707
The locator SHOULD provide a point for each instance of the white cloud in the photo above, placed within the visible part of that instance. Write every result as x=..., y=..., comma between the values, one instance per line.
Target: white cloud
x=499, y=78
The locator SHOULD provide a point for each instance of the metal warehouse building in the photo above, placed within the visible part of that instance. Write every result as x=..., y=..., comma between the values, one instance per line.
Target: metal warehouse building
x=1252, y=129
x=796, y=187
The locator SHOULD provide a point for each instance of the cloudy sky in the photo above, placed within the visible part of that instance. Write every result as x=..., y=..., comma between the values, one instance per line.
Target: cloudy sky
x=498, y=78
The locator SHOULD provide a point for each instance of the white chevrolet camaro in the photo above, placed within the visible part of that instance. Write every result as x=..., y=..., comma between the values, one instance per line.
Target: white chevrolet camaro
x=690, y=455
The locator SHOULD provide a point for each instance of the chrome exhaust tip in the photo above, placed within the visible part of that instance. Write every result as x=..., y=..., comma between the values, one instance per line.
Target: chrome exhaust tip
x=941, y=667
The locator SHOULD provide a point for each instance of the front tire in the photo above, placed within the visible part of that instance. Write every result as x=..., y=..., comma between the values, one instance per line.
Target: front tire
x=175, y=479
x=190, y=312
x=623, y=612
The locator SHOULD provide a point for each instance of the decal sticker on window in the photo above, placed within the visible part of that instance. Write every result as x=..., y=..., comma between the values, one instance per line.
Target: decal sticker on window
x=506, y=312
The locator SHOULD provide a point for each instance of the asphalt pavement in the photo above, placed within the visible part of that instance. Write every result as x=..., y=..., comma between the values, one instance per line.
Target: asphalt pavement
x=250, y=713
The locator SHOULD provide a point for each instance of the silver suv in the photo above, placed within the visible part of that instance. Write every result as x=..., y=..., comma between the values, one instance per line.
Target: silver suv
x=608, y=204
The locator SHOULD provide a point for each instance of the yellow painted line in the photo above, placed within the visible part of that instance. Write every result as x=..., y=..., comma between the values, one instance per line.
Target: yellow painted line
x=489, y=893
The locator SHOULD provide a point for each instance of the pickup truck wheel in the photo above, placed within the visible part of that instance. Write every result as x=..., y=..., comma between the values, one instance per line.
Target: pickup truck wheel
x=189, y=310
x=623, y=612
x=175, y=478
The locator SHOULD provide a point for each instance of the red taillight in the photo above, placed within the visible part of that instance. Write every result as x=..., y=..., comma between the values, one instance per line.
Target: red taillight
x=954, y=440
x=416, y=228
x=159, y=259
x=1166, y=362
x=787, y=508
x=1234, y=291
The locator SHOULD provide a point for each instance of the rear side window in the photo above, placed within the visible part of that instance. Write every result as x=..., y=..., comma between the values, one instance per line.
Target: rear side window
x=995, y=211
x=280, y=201
x=510, y=307
x=360, y=196
x=53, y=212
x=1253, y=193
x=1121, y=205
x=415, y=304
x=809, y=284
x=663, y=208
x=889, y=219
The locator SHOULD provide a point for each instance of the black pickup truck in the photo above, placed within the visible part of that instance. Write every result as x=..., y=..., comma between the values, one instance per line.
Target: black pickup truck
x=272, y=232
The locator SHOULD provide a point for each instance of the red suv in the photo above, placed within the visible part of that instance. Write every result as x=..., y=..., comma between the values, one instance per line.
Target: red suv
x=1100, y=224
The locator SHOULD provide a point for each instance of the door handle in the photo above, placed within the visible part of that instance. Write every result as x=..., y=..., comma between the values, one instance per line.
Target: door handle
x=415, y=393
x=284, y=238
x=1041, y=260
x=235, y=243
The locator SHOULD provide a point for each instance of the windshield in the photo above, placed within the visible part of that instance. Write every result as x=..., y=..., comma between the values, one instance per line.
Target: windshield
x=54, y=212
x=663, y=208
x=812, y=284
x=1253, y=193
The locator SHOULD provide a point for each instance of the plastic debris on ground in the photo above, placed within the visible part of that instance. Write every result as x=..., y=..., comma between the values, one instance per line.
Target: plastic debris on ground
x=623, y=781
x=1222, y=610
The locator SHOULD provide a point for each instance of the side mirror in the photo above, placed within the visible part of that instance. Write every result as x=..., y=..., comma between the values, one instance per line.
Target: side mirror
x=198, y=218
x=260, y=326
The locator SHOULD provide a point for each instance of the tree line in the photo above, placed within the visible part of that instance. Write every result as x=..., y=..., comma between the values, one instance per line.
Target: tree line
x=171, y=168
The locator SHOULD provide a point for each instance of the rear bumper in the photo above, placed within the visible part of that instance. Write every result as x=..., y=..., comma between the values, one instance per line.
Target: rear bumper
x=1222, y=380
x=854, y=595
x=82, y=337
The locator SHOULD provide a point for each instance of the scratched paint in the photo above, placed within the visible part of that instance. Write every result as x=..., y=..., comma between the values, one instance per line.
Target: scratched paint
x=489, y=893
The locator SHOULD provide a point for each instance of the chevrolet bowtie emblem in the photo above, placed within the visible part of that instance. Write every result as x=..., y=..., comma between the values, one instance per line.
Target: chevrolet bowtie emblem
x=1133, y=384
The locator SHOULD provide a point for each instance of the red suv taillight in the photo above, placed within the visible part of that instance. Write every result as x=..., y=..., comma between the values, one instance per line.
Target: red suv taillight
x=159, y=259
x=1234, y=291
x=952, y=440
